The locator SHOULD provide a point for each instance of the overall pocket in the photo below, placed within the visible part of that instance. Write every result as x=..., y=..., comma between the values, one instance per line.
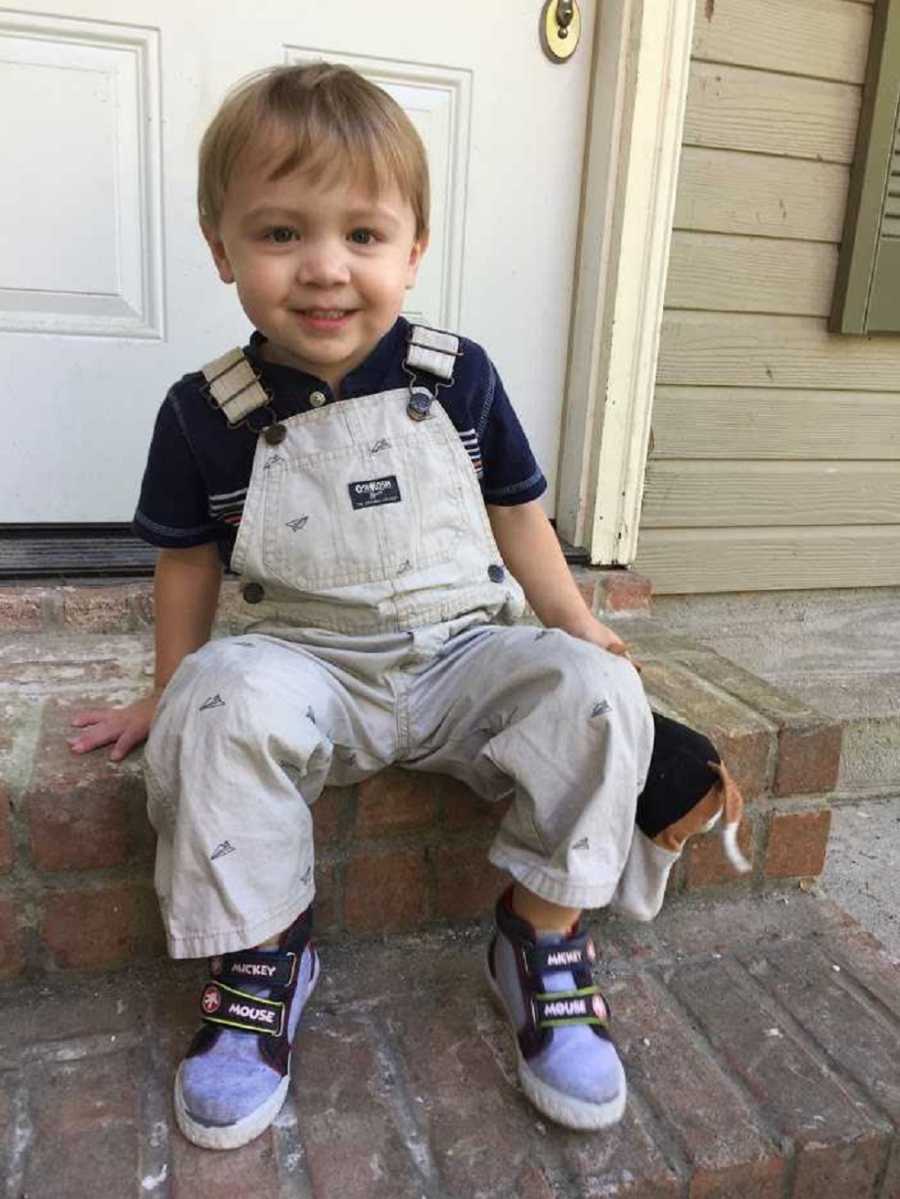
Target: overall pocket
x=363, y=513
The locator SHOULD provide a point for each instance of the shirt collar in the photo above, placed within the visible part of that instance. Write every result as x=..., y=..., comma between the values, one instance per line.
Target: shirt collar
x=371, y=376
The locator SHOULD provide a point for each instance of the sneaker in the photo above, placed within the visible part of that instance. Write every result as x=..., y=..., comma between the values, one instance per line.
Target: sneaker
x=568, y=1065
x=234, y=1078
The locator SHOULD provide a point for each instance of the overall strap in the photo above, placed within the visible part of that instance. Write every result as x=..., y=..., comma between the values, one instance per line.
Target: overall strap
x=432, y=351
x=234, y=387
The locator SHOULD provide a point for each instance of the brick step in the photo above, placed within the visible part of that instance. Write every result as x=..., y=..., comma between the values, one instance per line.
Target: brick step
x=400, y=852
x=116, y=606
x=759, y=1037
x=834, y=649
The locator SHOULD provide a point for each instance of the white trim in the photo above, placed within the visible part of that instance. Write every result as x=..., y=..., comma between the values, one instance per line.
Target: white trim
x=640, y=78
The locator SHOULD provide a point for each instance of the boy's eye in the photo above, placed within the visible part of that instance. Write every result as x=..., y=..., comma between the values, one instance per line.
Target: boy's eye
x=362, y=237
x=281, y=235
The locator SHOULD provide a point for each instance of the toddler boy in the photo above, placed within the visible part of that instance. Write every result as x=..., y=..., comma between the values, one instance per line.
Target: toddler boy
x=371, y=484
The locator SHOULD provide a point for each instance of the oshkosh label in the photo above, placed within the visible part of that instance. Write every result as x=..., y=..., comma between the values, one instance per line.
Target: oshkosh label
x=369, y=493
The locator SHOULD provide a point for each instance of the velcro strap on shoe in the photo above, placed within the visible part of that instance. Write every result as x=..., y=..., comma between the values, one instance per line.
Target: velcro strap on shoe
x=559, y=1008
x=566, y=955
x=236, y=1009
x=250, y=965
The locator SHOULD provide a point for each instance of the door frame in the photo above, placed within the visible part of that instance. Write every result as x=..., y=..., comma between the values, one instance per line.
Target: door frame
x=639, y=80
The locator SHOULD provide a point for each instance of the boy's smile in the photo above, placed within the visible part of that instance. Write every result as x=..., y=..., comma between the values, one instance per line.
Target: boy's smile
x=321, y=267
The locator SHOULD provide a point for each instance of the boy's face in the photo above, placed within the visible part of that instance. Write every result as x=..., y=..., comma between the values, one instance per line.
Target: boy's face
x=321, y=269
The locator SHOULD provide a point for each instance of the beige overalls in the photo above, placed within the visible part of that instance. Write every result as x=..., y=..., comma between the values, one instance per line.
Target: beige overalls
x=378, y=630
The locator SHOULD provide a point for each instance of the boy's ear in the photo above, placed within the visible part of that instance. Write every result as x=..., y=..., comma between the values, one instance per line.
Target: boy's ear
x=420, y=245
x=220, y=256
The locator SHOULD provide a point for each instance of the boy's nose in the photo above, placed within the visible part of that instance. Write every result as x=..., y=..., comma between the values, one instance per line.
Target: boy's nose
x=323, y=266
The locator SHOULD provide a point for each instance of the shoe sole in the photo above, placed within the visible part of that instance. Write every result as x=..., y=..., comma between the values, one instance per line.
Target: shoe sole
x=557, y=1106
x=232, y=1136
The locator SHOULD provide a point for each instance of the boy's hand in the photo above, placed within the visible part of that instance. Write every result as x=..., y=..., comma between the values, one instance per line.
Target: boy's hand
x=124, y=728
x=602, y=635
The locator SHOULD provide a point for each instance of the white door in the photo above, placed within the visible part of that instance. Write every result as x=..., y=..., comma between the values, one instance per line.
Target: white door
x=107, y=294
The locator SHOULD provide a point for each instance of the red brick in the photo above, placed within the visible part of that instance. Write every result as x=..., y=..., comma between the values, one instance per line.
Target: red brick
x=705, y=863
x=797, y=844
x=250, y=1172
x=98, y=609
x=148, y=937
x=745, y=741
x=586, y=582
x=351, y=1142
x=467, y=883
x=330, y=814
x=85, y=1136
x=6, y=837
x=12, y=957
x=463, y=809
x=385, y=892
x=21, y=610
x=142, y=605
x=839, y=1144
x=77, y=832
x=865, y=1048
x=394, y=800
x=90, y=930
x=716, y=1128
x=83, y=812
x=533, y=1184
x=622, y=1161
x=477, y=1126
x=808, y=760
x=326, y=902
x=612, y=590
x=623, y=591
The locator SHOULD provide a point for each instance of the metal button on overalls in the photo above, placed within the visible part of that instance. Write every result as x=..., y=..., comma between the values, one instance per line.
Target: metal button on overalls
x=318, y=399
x=254, y=593
x=275, y=434
x=496, y=573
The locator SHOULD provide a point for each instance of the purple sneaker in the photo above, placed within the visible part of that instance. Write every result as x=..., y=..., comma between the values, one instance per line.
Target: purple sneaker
x=234, y=1078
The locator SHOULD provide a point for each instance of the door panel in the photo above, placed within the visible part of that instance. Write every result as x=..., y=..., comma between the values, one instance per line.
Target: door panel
x=107, y=293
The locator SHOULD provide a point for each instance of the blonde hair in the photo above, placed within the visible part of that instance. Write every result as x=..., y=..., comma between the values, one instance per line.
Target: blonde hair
x=327, y=120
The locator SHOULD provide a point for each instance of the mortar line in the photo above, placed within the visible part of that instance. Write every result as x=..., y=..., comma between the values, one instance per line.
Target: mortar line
x=666, y=1140
x=831, y=1070
x=398, y=1101
x=779, y=1139
x=21, y=1135
x=154, y=1158
x=290, y=1153
x=670, y=1001
x=808, y=1040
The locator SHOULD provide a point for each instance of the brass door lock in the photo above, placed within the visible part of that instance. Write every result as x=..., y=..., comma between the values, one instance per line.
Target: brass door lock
x=560, y=29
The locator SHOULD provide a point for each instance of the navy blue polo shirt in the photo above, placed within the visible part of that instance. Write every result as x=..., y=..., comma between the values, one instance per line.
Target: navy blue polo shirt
x=199, y=467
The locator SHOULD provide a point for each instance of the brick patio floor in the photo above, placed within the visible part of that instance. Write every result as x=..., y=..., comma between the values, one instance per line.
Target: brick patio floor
x=761, y=1037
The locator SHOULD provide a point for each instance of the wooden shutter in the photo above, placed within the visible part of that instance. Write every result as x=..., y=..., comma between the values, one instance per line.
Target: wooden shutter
x=867, y=290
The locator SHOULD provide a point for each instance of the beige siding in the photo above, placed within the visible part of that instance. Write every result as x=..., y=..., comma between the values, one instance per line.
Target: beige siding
x=775, y=451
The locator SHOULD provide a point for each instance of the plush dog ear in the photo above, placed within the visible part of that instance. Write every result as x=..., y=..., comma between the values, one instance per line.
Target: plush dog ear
x=733, y=812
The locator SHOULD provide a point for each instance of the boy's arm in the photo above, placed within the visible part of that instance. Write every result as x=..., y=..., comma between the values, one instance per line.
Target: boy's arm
x=185, y=592
x=530, y=549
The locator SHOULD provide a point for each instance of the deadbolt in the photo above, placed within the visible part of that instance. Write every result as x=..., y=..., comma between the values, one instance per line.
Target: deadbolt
x=560, y=29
